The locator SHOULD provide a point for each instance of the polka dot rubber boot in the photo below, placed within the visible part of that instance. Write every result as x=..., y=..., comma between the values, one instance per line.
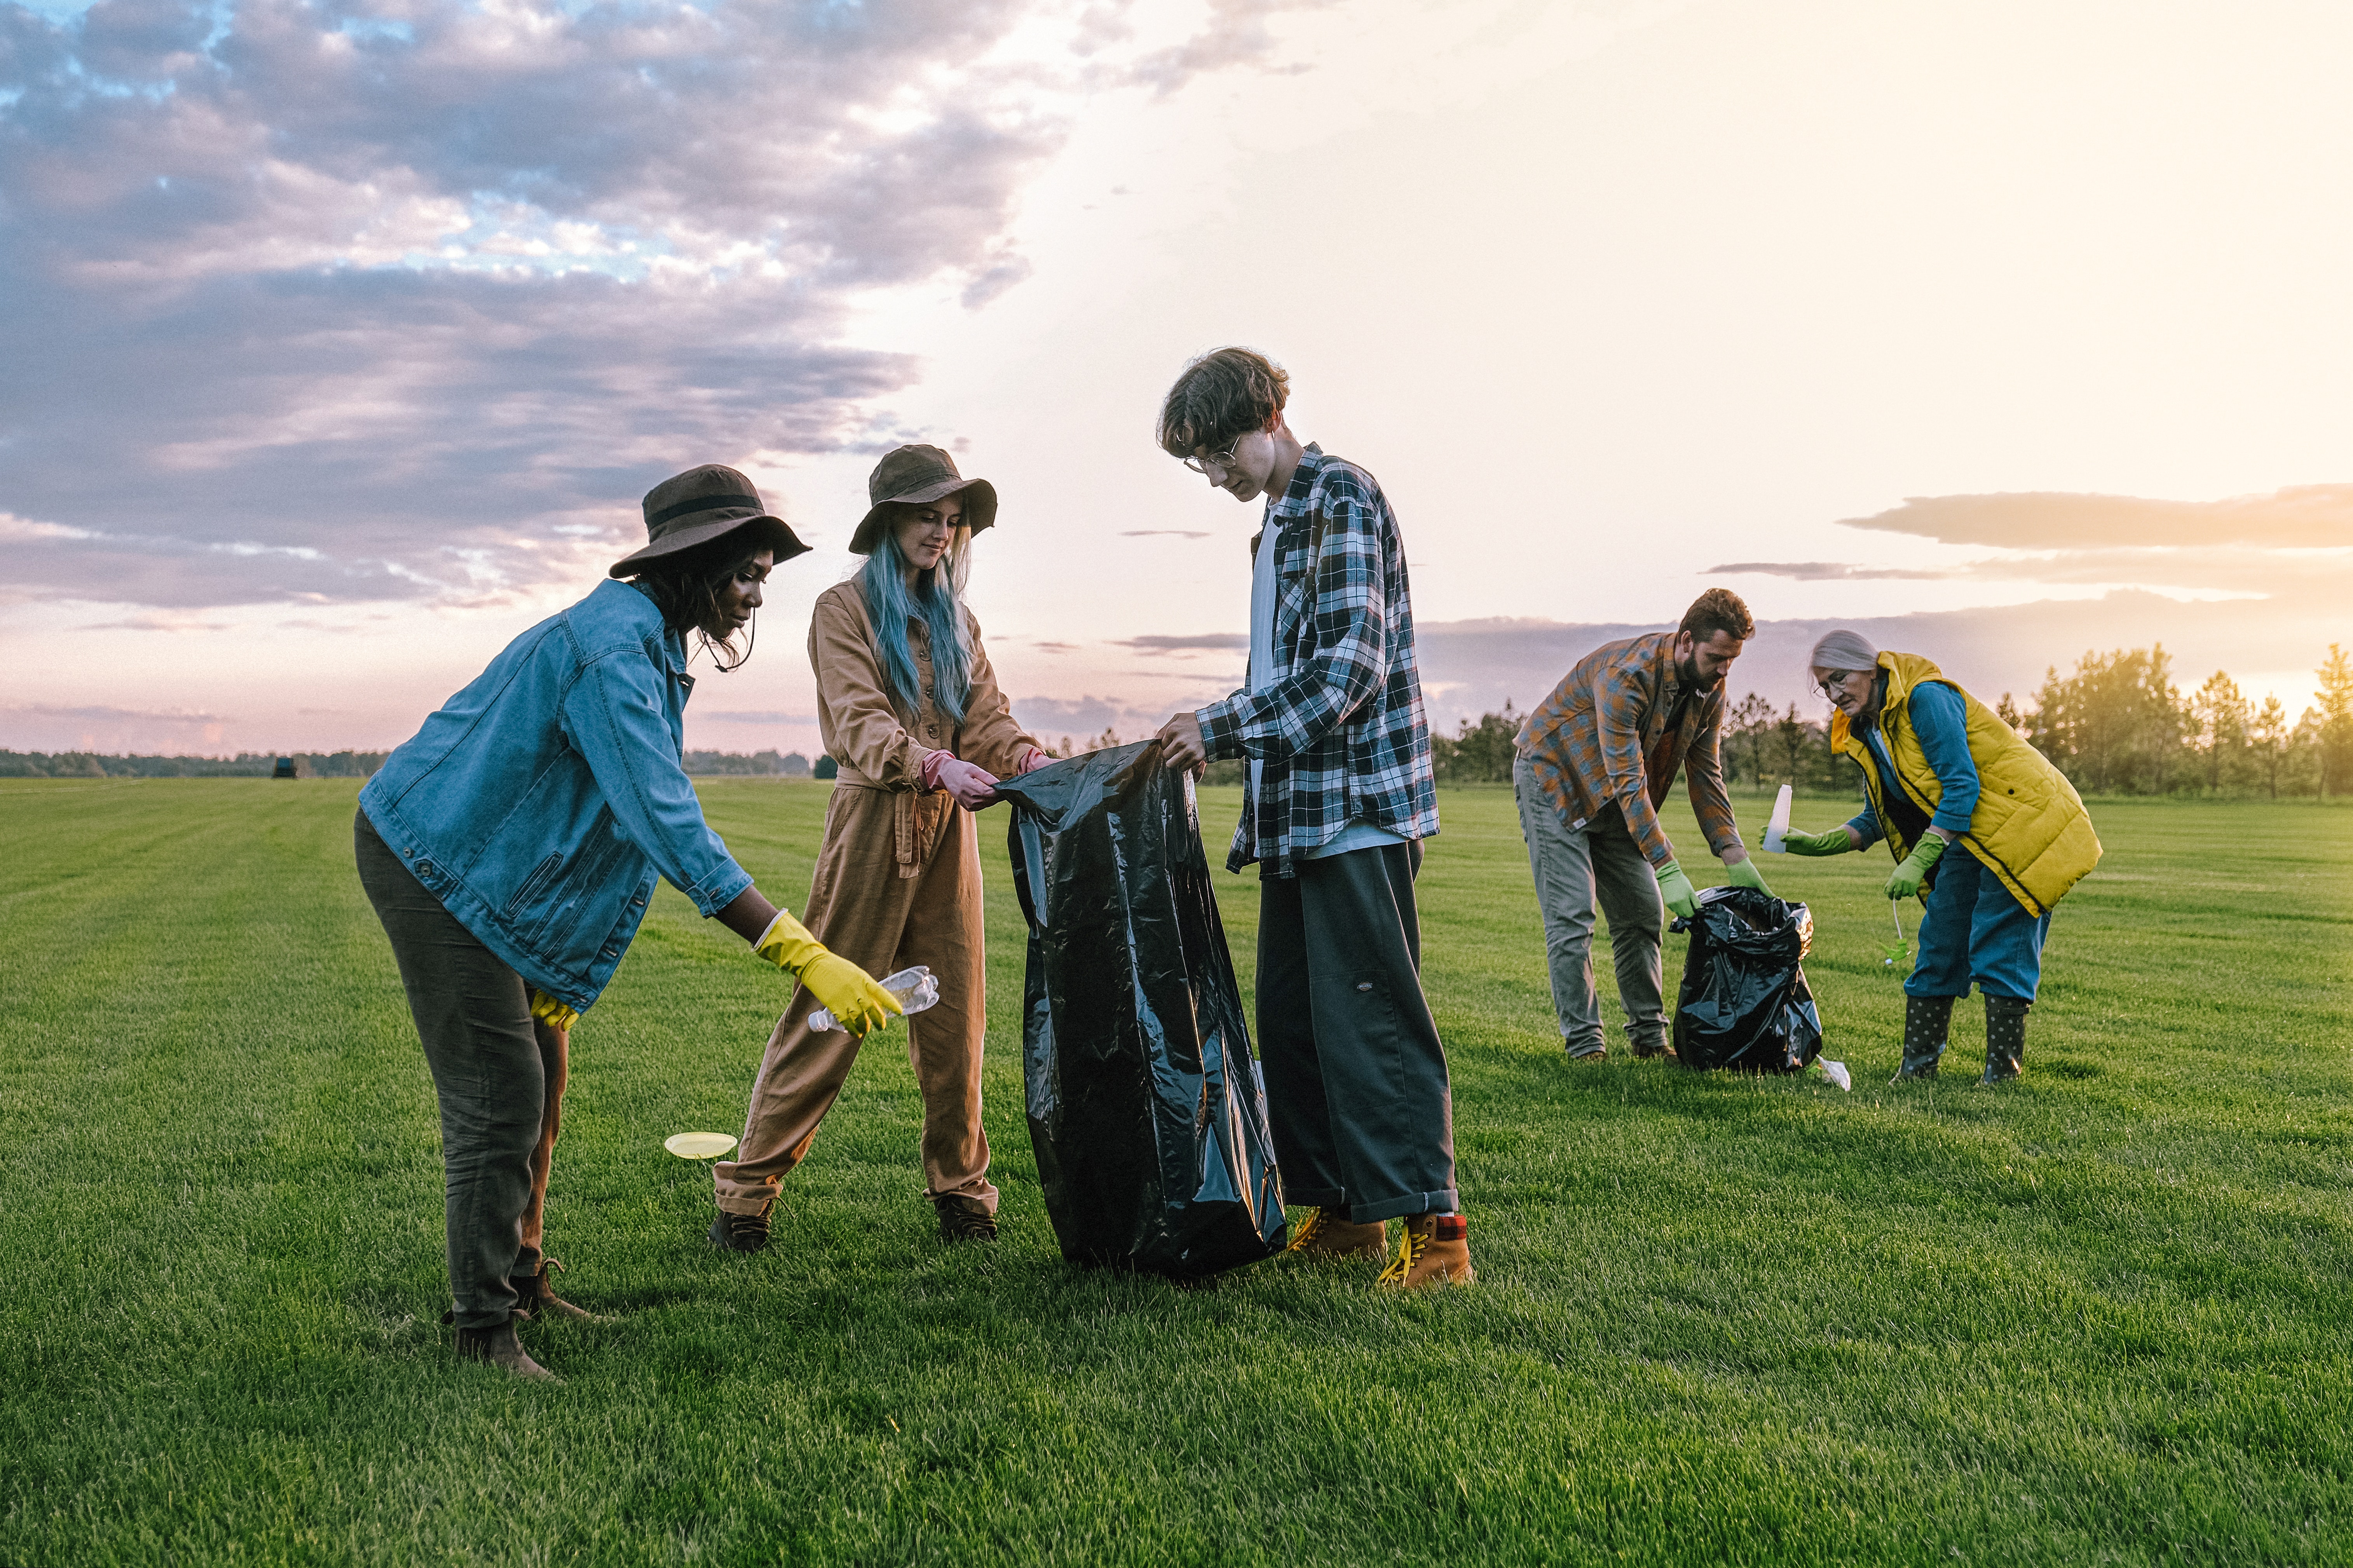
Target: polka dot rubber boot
x=2005, y=1038
x=1927, y=1021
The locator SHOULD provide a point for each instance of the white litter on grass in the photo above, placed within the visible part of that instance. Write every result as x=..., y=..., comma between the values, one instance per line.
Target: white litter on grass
x=1836, y=1072
x=1780, y=826
x=698, y=1145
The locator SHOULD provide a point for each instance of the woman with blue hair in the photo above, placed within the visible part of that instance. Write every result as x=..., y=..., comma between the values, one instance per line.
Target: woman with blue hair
x=908, y=706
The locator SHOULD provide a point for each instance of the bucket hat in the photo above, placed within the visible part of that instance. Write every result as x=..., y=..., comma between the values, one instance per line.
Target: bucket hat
x=700, y=505
x=915, y=475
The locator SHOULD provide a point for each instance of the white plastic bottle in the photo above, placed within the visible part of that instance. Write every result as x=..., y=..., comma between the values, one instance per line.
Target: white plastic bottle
x=1780, y=823
x=915, y=989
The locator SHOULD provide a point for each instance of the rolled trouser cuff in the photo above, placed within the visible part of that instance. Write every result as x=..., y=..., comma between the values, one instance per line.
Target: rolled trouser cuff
x=1410, y=1204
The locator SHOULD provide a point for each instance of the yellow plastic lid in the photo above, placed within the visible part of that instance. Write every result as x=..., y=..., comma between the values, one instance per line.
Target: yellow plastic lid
x=698, y=1145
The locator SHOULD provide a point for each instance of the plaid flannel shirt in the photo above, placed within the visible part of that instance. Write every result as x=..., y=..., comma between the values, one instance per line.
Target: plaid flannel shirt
x=1340, y=731
x=1603, y=736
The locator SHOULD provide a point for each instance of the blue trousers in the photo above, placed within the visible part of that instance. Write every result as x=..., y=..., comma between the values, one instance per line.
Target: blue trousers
x=1975, y=930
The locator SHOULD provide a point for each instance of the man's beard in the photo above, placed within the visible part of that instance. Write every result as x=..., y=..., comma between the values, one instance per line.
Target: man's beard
x=1687, y=671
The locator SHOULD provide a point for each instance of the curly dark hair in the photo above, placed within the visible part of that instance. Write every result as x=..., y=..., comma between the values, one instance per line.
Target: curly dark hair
x=685, y=588
x=1717, y=610
x=1223, y=394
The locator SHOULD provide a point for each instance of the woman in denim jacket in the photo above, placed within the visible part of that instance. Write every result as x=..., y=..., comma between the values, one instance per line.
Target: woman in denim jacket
x=511, y=848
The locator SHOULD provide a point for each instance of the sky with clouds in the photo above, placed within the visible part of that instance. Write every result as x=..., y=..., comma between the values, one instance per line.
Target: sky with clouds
x=343, y=337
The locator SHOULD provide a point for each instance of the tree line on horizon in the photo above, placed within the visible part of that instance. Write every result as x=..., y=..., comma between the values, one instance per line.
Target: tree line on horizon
x=2117, y=724
x=345, y=766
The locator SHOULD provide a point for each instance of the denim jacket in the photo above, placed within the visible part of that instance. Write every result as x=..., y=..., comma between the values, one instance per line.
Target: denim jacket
x=539, y=802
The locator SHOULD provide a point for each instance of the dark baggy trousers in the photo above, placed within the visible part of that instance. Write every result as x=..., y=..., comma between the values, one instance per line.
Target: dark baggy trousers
x=499, y=1075
x=1355, y=1076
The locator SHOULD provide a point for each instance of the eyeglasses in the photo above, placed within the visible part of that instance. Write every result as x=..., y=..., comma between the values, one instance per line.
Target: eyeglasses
x=1222, y=461
x=1838, y=682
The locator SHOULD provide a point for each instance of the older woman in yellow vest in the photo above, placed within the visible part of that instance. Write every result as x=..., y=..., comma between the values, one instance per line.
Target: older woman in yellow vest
x=1940, y=768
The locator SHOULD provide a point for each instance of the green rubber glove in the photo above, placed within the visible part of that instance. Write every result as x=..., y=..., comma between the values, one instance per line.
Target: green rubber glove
x=1904, y=882
x=843, y=989
x=1682, y=898
x=1837, y=841
x=1743, y=873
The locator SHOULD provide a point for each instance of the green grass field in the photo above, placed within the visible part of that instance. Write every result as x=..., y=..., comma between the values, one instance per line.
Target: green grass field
x=2097, y=1316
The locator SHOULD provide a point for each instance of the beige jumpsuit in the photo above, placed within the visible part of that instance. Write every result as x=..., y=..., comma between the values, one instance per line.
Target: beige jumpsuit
x=897, y=883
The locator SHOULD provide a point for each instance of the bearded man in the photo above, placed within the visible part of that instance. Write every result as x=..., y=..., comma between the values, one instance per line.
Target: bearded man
x=1594, y=764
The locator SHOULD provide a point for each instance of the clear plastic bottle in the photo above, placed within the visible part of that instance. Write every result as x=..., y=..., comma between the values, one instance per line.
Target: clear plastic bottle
x=915, y=989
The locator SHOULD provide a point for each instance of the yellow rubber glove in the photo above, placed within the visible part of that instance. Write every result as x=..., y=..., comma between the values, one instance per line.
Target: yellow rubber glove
x=843, y=989
x=1677, y=891
x=550, y=1012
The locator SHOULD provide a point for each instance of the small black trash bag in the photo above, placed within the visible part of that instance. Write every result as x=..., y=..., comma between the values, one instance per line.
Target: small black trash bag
x=1745, y=1001
x=1146, y=1104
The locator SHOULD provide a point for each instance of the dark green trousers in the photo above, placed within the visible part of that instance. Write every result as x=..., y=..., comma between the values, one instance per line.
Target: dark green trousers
x=1355, y=1077
x=473, y=1015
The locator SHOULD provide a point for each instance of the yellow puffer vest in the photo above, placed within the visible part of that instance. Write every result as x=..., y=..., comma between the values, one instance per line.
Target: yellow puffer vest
x=2029, y=827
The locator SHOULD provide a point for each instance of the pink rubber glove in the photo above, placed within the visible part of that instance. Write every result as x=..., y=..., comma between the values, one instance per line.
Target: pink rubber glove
x=972, y=787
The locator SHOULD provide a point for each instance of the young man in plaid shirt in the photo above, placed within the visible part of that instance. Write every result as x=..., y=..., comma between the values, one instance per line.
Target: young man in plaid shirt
x=1595, y=761
x=1341, y=795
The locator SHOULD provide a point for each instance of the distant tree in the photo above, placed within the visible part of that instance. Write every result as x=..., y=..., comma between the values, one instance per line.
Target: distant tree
x=1479, y=751
x=2332, y=716
x=1749, y=727
x=2115, y=724
x=2219, y=717
x=825, y=768
x=2267, y=738
x=795, y=765
x=2007, y=711
x=1791, y=748
x=2302, y=767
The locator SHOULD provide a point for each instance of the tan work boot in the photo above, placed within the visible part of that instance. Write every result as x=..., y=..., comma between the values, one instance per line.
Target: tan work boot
x=1323, y=1237
x=1433, y=1251
x=500, y=1348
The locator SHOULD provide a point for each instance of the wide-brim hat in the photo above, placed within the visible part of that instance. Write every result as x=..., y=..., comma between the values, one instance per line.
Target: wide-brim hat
x=690, y=509
x=911, y=476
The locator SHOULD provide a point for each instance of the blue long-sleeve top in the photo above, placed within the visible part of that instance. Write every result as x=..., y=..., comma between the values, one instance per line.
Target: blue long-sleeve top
x=1942, y=722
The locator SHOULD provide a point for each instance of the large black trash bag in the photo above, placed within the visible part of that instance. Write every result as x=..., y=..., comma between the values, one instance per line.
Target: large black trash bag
x=1145, y=1105
x=1745, y=1001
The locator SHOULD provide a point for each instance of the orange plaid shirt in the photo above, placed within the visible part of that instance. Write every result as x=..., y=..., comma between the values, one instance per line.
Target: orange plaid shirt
x=1616, y=729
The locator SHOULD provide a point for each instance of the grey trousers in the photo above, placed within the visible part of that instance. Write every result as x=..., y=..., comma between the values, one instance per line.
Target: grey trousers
x=500, y=1078
x=1575, y=869
x=1357, y=1093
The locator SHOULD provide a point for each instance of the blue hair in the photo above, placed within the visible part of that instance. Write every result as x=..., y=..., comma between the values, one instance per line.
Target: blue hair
x=890, y=605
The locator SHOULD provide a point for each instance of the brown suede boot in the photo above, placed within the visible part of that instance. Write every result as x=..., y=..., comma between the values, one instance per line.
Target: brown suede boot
x=1434, y=1251
x=964, y=1219
x=1325, y=1237
x=500, y=1348
x=539, y=1299
x=740, y=1232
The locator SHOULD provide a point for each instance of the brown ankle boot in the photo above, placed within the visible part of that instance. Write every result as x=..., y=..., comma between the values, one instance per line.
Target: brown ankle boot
x=964, y=1219
x=1325, y=1237
x=539, y=1298
x=1433, y=1251
x=500, y=1348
